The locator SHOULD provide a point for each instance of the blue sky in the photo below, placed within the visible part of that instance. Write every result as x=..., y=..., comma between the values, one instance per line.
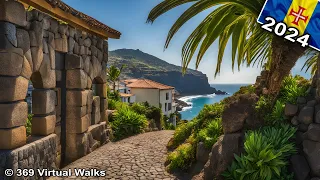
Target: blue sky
x=129, y=17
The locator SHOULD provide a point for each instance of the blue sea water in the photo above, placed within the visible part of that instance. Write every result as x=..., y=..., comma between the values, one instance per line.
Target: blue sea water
x=197, y=102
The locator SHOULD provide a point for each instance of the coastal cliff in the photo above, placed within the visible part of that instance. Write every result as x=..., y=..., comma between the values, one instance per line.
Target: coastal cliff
x=143, y=65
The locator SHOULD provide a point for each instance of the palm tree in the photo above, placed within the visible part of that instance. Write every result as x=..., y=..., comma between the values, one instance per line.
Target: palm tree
x=235, y=21
x=312, y=61
x=114, y=74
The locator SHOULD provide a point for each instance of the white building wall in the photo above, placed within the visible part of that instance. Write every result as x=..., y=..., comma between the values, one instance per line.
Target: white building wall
x=164, y=101
x=149, y=95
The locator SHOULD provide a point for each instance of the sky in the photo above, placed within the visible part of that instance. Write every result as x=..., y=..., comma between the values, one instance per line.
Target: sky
x=129, y=17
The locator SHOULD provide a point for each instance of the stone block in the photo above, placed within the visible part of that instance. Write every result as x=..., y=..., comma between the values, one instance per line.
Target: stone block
x=11, y=62
x=63, y=28
x=82, y=50
x=46, y=23
x=5, y=43
x=306, y=115
x=86, y=63
x=300, y=167
x=61, y=44
x=314, y=132
x=94, y=51
x=89, y=83
x=54, y=25
x=89, y=101
x=77, y=126
x=100, y=56
x=71, y=43
x=76, y=49
x=46, y=77
x=96, y=67
x=100, y=44
x=13, y=88
x=14, y=12
x=76, y=146
x=105, y=57
x=13, y=115
x=103, y=104
x=74, y=112
x=43, y=126
x=101, y=90
x=37, y=57
x=72, y=32
x=26, y=69
x=96, y=102
x=290, y=109
x=36, y=34
x=51, y=41
x=45, y=46
x=95, y=117
x=104, y=116
x=73, y=62
x=9, y=30
x=96, y=131
x=311, y=152
x=77, y=98
x=43, y=101
x=76, y=79
x=12, y=138
x=87, y=42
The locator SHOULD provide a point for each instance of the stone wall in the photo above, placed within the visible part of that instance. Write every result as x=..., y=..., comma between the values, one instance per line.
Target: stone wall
x=39, y=154
x=305, y=115
x=67, y=68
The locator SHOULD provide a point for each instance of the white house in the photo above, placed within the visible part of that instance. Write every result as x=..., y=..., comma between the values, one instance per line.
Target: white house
x=124, y=91
x=156, y=94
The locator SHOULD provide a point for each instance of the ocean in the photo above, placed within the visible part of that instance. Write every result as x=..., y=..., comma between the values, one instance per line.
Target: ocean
x=198, y=101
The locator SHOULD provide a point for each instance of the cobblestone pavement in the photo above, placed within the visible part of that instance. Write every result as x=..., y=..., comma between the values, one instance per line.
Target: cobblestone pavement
x=137, y=157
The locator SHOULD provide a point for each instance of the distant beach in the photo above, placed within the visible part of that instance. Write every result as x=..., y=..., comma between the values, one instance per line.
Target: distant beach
x=197, y=102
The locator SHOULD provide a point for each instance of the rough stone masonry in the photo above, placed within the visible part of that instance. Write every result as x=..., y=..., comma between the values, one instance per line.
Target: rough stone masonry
x=67, y=67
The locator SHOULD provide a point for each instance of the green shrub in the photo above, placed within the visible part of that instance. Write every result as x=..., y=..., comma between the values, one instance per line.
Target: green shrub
x=266, y=153
x=292, y=88
x=182, y=132
x=112, y=104
x=211, y=133
x=277, y=115
x=208, y=113
x=29, y=124
x=183, y=156
x=139, y=108
x=127, y=122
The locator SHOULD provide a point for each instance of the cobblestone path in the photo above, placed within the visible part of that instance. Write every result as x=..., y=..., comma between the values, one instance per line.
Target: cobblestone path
x=137, y=157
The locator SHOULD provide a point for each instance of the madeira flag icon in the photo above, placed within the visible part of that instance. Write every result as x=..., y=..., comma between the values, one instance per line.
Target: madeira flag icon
x=304, y=15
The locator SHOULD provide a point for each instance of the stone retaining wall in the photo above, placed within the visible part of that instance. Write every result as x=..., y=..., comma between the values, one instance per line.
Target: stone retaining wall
x=305, y=115
x=39, y=154
x=63, y=63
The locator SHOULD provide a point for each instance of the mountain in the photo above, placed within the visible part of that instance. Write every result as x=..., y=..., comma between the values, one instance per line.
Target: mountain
x=143, y=65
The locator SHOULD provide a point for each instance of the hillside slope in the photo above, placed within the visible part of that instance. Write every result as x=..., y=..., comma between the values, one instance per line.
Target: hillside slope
x=143, y=65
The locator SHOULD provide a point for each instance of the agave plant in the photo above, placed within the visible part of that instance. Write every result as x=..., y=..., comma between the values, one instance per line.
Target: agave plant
x=235, y=21
x=265, y=155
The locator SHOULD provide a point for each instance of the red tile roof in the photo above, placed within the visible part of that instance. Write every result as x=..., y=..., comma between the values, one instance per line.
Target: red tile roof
x=89, y=20
x=147, y=84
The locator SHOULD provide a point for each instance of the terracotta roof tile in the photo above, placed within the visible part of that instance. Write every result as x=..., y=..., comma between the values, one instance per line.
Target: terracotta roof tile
x=89, y=20
x=148, y=84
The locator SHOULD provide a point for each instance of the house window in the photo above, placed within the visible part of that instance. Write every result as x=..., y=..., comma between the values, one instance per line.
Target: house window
x=165, y=106
x=169, y=106
x=167, y=96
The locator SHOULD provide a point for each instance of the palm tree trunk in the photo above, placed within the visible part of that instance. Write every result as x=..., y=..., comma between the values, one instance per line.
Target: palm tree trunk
x=284, y=56
x=114, y=86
